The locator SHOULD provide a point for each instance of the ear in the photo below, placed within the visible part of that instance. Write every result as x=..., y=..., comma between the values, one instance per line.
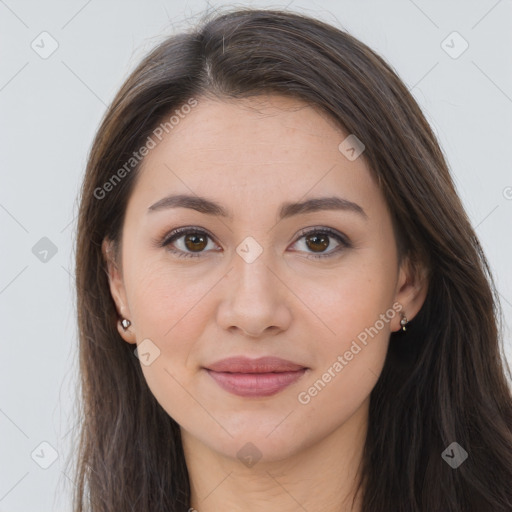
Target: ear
x=411, y=290
x=117, y=289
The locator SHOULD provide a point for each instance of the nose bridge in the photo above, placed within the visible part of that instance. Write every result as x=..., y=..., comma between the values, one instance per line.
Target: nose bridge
x=253, y=298
x=253, y=279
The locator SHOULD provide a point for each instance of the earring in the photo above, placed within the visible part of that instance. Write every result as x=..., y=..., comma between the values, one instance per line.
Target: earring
x=125, y=323
x=404, y=322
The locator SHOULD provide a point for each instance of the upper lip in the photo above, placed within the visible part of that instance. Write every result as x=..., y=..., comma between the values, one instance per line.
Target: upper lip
x=242, y=364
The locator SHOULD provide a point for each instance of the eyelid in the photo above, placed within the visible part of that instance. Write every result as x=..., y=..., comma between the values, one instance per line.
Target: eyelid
x=175, y=233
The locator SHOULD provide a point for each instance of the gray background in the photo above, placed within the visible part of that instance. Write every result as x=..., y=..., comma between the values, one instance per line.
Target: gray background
x=50, y=110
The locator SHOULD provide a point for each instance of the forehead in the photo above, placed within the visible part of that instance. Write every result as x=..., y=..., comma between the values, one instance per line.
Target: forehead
x=253, y=151
x=247, y=128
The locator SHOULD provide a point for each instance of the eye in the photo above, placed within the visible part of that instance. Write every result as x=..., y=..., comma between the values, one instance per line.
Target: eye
x=189, y=239
x=190, y=242
x=317, y=240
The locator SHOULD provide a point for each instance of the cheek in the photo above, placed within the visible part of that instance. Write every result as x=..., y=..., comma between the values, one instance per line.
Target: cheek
x=354, y=307
x=350, y=360
x=351, y=299
x=170, y=309
x=166, y=302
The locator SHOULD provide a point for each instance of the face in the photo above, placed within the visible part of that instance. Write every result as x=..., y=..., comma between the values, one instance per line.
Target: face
x=317, y=285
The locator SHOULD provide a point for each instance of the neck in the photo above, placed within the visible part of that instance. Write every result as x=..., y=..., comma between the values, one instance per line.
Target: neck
x=320, y=477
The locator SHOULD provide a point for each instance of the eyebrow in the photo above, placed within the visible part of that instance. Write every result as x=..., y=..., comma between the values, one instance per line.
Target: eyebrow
x=209, y=207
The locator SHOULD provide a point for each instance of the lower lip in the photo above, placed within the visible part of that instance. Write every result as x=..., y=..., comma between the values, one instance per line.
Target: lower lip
x=255, y=384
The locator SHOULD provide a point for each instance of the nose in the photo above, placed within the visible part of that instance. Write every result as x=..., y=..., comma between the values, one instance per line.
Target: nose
x=255, y=299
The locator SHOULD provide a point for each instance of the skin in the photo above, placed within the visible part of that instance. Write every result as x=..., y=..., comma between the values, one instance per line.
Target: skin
x=250, y=156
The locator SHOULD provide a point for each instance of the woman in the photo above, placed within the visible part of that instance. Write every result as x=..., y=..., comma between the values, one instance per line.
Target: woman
x=282, y=304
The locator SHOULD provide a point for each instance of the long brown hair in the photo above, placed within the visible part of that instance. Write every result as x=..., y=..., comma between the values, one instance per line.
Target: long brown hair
x=444, y=382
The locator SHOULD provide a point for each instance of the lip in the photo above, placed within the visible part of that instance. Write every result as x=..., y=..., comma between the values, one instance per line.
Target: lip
x=261, y=377
x=242, y=364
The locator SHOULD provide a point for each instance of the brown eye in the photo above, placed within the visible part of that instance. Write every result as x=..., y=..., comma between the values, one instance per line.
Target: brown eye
x=188, y=242
x=317, y=243
x=195, y=242
x=319, y=240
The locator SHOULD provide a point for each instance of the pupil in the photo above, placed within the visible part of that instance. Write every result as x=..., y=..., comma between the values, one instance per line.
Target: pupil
x=321, y=240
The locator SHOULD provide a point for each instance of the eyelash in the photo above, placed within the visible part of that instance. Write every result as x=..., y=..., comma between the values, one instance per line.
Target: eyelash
x=180, y=232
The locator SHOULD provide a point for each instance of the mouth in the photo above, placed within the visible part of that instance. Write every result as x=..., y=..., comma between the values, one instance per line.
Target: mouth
x=255, y=377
